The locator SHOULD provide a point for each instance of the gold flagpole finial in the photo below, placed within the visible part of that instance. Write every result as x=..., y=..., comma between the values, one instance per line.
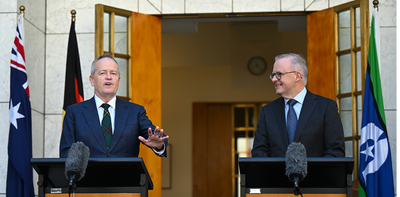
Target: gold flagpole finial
x=21, y=9
x=376, y=3
x=73, y=13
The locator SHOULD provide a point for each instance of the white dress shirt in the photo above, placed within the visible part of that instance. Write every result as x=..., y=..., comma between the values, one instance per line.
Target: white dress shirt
x=298, y=105
x=111, y=109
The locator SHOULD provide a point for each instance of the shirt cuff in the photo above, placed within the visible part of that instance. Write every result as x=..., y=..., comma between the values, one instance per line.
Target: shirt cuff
x=159, y=152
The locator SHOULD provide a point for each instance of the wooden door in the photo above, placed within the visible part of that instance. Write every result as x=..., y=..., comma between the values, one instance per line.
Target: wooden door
x=212, y=150
x=146, y=83
x=321, y=53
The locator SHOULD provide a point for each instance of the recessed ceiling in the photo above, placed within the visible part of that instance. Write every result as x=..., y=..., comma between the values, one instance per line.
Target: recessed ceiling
x=189, y=25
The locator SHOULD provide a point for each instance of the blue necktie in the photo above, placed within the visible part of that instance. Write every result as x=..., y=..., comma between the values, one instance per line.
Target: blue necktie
x=291, y=120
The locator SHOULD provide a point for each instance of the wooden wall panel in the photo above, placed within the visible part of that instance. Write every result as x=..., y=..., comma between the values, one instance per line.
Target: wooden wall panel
x=199, y=149
x=321, y=53
x=212, y=150
x=146, y=83
x=219, y=152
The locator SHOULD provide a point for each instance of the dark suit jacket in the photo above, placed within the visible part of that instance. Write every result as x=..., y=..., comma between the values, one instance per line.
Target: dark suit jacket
x=319, y=129
x=81, y=123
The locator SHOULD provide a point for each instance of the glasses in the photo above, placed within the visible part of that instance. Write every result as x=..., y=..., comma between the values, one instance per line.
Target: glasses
x=279, y=75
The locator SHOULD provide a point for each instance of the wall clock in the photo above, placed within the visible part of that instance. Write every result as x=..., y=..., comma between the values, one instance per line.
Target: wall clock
x=257, y=65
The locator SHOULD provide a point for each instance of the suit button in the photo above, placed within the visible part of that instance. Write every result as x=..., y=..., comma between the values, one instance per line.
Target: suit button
x=109, y=155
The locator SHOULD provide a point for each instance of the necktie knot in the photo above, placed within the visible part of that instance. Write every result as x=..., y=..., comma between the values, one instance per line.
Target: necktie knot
x=292, y=102
x=105, y=106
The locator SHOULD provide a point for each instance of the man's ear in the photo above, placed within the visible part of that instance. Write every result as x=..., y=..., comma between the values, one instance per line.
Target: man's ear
x=299, y=76
x=91, y=80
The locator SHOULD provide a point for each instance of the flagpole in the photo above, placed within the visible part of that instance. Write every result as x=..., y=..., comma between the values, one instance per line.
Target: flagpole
x=377, y=31
x=21, y=9
x=376, y=4
x=73, y=14
x=22, y=14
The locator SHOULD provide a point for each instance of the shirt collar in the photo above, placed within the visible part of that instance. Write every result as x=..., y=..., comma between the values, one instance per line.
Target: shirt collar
x=99, y=102
x=299, y=97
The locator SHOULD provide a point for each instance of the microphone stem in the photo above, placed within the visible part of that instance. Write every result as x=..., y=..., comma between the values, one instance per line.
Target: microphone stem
x=296, y=181
x=71, y=181
x=296, y=186
x=72, y=185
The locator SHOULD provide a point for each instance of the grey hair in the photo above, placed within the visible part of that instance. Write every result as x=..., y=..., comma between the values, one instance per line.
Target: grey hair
x=298, y=61
x=105, y=55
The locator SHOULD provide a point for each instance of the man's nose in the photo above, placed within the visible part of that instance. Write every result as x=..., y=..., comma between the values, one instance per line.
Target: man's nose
x=274, y=79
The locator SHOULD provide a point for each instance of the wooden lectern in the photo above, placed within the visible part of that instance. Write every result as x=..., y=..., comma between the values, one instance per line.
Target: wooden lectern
x=103, y=177
x=261, y=177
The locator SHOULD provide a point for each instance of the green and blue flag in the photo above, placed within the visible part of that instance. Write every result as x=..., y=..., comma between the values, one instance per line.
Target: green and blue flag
x=375, y=172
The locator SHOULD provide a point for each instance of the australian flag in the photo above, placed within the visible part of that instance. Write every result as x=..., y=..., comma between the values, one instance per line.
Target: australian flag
x=376, y=174
x=19, y=172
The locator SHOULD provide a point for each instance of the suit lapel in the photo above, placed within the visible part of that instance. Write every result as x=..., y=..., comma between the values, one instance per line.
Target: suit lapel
x=307, y=109
x=281, y=120
x=121, y=117
x=92, y=118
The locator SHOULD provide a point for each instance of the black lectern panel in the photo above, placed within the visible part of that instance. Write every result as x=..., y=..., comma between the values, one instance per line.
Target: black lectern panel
x=103, y=175
x=326, y=175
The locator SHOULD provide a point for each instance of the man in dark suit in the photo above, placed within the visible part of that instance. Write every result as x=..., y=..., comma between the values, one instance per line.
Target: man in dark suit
x=126, y=124
x=311, y=120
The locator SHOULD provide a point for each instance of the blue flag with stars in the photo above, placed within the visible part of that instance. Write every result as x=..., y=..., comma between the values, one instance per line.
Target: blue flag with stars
x=376, y=174
x=19, y=172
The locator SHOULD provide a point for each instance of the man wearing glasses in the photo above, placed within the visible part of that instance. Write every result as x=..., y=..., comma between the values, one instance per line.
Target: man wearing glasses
x=297, y=116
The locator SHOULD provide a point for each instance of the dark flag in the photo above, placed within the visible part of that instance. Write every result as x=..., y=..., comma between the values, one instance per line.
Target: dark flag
x=376, y=173
x=73, y=92
x=19, y=172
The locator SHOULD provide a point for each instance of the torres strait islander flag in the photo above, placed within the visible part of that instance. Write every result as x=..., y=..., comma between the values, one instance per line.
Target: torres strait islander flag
x=375, y=174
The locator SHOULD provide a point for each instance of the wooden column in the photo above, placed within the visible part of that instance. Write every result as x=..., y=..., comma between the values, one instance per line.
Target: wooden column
x=321, y=53
x=146, y=83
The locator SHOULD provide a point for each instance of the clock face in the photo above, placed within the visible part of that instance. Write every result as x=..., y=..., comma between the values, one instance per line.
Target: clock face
x=257, y=65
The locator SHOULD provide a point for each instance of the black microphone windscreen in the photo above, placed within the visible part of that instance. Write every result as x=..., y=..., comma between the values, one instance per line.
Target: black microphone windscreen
x=77, y=160
x=296, y=160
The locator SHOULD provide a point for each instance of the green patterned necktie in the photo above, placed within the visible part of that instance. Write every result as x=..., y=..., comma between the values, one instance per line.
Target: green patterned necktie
x=106, y=125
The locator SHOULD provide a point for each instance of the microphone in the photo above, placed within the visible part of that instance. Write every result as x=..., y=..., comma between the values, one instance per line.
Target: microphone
x=296, y=164
x=76, y=163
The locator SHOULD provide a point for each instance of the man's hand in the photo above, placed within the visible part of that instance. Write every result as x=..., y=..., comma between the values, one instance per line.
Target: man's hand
x=155, y=140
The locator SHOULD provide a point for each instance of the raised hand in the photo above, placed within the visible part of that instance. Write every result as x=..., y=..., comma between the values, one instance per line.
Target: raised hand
x=156, y=139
